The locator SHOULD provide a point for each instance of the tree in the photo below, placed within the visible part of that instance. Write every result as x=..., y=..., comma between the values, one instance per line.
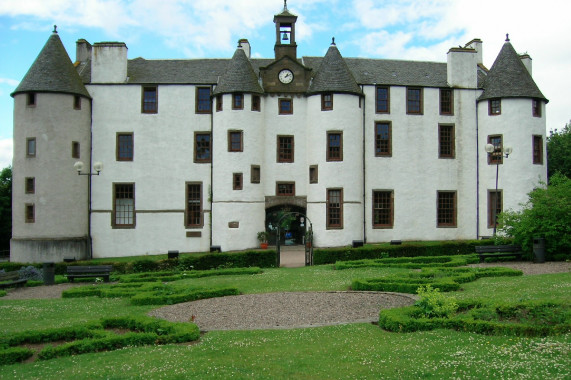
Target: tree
x=547, y=214
x=559, y=151
x=5, y=208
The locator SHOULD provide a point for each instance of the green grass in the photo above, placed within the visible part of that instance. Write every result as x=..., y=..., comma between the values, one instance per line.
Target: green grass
x=361, y=351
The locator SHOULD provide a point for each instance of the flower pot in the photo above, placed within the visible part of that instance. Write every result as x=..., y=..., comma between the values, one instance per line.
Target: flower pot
x=264, y=245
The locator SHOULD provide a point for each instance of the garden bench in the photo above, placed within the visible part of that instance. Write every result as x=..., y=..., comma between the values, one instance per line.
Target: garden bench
x=85, y=271
x=485, y=251
x=8, y=279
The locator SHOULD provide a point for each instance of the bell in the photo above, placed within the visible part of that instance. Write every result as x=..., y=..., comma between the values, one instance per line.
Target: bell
x=285, y=37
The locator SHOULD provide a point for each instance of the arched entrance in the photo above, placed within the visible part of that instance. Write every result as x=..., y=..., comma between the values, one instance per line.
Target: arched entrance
x=292, y=226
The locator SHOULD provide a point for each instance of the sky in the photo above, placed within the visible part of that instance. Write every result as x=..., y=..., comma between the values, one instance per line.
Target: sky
x=409, y=29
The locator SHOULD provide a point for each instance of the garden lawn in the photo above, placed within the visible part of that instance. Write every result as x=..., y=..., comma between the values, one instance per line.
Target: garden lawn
x=349, y=351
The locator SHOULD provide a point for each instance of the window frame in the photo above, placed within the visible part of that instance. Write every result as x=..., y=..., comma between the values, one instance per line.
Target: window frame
x=237, y=181
x=492, y=206
x=378, y=100
x=198, y=160
x=330, y=156
x=231, y=141
x=449, y=103
x=281, y=155
x=75, y=149
x=31, y=152
x=118, y=146
x=200, y=100
x=411, y=101
x=145, y=105
x=537, y=149
x=187, y=212
x=281, y=110
x=451, y=144
x=238, y=101
x=255, y=177
x=440, y=211
x=114, y=214
x=30, y=185
x=327, y=104
x=256, y=103
x=289, y=185
x=536, y=107
x=377, y=140
x=219, y=102
x=330, y=208
x=30, y=213
x=496, y=157
x=495, y=106
x=313, y=174
x=377, y=210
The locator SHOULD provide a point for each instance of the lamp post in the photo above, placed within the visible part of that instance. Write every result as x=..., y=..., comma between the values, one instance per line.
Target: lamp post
x=97, y=167
x=496, y=154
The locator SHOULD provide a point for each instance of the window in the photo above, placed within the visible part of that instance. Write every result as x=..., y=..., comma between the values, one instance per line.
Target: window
x=446, y=101
x=256, y=104
x=125, y=147
x=383, y=208
x=30, y=185
x=31, y=99
x=494, y=209
x=201, y=147
x=31, y=147
x=414, y=100
x=326, y=102
x=193, y=205
x=237, y=181
x=536, y=107
x=286, y=106
x=237, y=101
x=538, y=149
x=75, y=152
x=203, y=104
x=285, y=188
x=285, y=149
x=446, y=209
x=382, y=99
x=496, y=157
x=150, y=100
x=77, y=102
x=334, y=215
x=124, y=205
x=235, y=141
x=334, y=146
x=494, y=107
x=255, y=174
x=313, y=174
x=30, y=213
x=219, y=103
x=383, y=144
x=446, y=141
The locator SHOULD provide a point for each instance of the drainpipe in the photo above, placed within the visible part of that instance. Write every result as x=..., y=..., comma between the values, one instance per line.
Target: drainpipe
x=477, y=175
x=211, y=192
x=364, y=172
x=90, y=240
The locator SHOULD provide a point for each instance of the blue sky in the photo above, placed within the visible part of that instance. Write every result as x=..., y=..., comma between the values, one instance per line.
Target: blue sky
x=408, y=29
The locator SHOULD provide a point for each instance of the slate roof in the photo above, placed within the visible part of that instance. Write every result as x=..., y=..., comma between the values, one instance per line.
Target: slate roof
x=52, y=71
x=239, y=76
x=508, y=78
x=333, y=75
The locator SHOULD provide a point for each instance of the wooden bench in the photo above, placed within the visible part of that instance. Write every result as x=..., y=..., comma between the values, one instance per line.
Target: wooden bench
x=8, y=279
x=86, y=271
x=485, y=251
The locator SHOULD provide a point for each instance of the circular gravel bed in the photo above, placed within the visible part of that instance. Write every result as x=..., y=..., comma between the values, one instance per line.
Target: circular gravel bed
x=283, y=310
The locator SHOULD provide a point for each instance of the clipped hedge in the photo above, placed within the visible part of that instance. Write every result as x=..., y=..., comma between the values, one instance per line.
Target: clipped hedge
x=410, y=262
x=157, y=298
x=170, y=276
x=537, y=319
x=262, y=259
x=92, y=337
x=411, y=249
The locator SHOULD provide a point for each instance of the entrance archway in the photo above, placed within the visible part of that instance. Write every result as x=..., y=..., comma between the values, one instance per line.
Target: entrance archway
x=291, y=228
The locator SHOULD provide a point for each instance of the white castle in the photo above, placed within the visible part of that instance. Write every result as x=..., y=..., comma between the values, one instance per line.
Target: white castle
x=199, y=153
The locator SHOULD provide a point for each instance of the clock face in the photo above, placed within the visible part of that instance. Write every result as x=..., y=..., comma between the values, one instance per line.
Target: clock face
x=285, y=76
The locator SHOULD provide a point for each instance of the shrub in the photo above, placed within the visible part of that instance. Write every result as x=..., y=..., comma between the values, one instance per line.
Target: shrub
x=262, y=259
x=435, y=304
x=31, y=273
x=14, y=355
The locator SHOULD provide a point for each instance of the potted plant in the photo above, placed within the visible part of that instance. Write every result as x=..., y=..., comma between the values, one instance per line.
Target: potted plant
x=263, y=239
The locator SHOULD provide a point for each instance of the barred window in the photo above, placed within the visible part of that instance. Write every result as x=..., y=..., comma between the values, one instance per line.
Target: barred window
x=538, y=149
x=383, y=208
x=285, y=149
x=125, y=147
x=194, y=205
x=334, y=215
x=235, y=141
x=203, y=103
x=150, y=100
x=446, y=141
x=201, y=147
x=414, y=100
x=124, y=205
x=237, y=181
x=383, y=144
x=494, y=203
x=496, y=157
x=494, y=107
x=256, y=104
x=255, y=174
x=334, y=146
x=326, y=102
x=237, y=101
x=446, y=209
x=30, y=213
x=446, y=101
x=285, y=188
x=382, y=99
x=30, y=185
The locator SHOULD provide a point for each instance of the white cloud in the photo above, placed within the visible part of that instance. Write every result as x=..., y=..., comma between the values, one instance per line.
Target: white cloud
x=5, y=152
x=9, y=82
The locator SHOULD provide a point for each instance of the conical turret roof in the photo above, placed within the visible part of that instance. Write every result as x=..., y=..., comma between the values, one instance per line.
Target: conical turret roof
x=509, y=78
x=52, y=71
x=239, y=76
x=333, y=75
